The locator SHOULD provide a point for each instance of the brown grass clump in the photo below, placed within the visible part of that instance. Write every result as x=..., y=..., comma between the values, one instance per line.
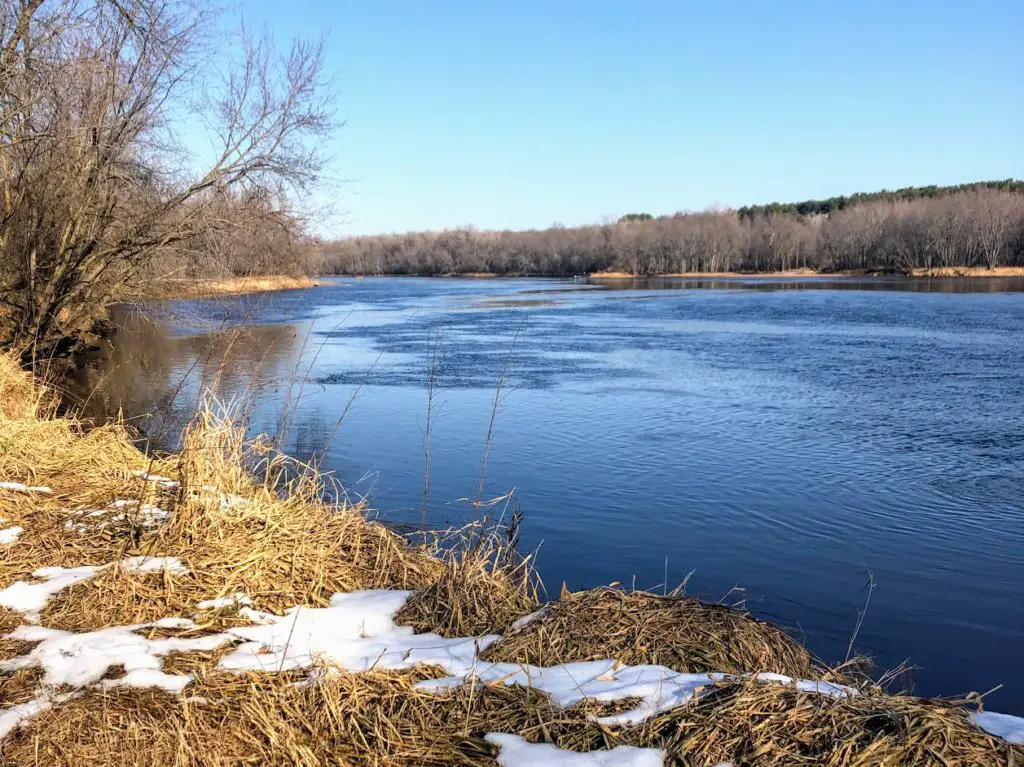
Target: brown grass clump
x=479, y=592
x=280, y=549
x=636, y=628
x=20, y=395
x=371, y=719
x=769, y=725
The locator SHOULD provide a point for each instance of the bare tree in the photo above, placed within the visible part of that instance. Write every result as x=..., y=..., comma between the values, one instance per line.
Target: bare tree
x=96, y=98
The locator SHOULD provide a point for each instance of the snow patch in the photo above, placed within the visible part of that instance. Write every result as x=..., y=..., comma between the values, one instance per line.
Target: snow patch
x=21, y=487
x=228, y=601
x=146, y=515
x=10, y=534
x=78, y=660
x=20, y=714
x=526, y=620
x=146, y=564
x=659, y=688
x=31, y=598
x=516, y=752
x=162, y=481
x=1009, y=728
x=355, y=633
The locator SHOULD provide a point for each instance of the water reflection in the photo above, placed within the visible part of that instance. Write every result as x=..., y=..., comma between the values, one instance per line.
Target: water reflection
x=157, y=377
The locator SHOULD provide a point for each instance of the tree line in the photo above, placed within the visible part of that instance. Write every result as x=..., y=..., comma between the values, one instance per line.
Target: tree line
x=977, y=226
x=103, y=186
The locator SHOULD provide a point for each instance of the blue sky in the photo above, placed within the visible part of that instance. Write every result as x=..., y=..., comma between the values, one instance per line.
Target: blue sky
x=521, y=114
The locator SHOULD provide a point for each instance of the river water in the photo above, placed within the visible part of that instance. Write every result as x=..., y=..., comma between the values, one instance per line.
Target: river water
x=775, y=441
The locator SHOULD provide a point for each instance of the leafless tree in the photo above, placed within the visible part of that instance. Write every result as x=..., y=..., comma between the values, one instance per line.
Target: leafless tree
x=98, y=98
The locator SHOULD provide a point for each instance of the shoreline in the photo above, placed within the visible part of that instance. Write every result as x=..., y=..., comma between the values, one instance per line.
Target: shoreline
x=970, y=272
x=227, y=286
x=945, y=272
x=181, y=598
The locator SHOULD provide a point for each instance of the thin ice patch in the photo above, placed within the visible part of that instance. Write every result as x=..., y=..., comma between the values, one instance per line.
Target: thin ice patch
x=1009, y=728
x=146, y=564
x=21, y=487
x=355, y=633
x=516, y=752
x=77, y=660
x=31, y=598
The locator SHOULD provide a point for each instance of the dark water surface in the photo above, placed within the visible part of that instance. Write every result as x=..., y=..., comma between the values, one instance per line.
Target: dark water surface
x=778, y=437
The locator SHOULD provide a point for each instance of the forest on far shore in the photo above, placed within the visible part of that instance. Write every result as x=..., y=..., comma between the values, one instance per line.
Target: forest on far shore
x=972, y=225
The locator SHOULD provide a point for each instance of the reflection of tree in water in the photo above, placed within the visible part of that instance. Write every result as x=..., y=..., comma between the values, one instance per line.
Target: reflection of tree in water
x=310, y=437
x=157, y=377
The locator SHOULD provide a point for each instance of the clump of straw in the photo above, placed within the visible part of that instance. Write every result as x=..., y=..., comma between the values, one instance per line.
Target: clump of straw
x=638, y=628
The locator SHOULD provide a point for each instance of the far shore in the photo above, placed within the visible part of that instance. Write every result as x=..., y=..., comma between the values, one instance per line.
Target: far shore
x=951, y=271
x=227, y=286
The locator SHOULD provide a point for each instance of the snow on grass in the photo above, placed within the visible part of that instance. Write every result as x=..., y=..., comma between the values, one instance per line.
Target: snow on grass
x=355, y=633
x=160, y=480
x=658, y=688
x=146, y=515
x=146, y=564
x=10, y=534
x=31, y=598
x=516, y=752
x=526, y=620
x=232, y=600
x=1009, y=728
x=67, y=658
x=20, y=714
x=21, y=487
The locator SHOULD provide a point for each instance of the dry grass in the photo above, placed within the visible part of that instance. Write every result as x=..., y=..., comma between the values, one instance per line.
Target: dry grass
x=381, y=720
x=638, y=628
x=173, y=288
x=476, y=593
x=774, y=726
x=970, y=271
x=284, y=546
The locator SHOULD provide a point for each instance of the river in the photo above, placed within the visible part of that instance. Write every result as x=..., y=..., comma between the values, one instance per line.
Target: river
x=773, y=441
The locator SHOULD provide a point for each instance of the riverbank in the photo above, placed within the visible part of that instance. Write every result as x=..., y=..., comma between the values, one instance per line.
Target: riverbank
x=226, y=286
x=971, y=271
x=175, y=610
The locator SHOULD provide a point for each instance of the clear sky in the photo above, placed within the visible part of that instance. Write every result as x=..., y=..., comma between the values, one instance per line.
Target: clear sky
x=521, y=114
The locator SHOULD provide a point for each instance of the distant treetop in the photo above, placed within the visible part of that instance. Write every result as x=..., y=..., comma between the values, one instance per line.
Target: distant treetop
x=811, y=207
x=635, y=217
